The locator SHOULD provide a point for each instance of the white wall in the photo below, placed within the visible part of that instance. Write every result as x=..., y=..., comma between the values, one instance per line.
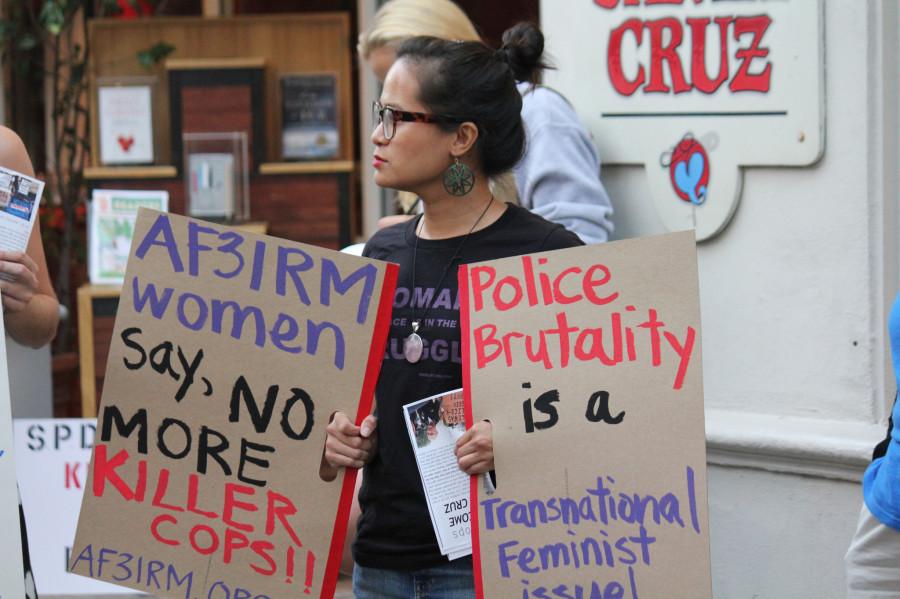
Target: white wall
x=30, y=380
x=778, y=536
x=794, y=294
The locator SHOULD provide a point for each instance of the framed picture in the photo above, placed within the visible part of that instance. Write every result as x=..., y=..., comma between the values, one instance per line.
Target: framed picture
x=216, y=173
x=111, y=228
x=125, y=120
x=309, y=121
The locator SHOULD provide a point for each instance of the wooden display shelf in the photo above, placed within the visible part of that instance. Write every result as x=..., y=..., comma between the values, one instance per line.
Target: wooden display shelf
x=281, y=44
x=310, y=202
x=307, y=168
x=241, y=62
x=91, y=298
x=97, y=173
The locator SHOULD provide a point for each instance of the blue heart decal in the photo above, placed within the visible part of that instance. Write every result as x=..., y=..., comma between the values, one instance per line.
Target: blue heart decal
x=687, y=174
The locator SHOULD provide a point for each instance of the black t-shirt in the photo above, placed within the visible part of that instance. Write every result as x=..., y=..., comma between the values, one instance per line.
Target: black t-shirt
x=395, y=531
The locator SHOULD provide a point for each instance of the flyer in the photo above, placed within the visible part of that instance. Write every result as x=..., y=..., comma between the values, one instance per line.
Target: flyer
x=434, y=424
x=20, y=197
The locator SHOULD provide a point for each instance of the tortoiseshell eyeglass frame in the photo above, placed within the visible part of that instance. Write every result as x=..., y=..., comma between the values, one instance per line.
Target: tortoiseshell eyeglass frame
x=388, y=117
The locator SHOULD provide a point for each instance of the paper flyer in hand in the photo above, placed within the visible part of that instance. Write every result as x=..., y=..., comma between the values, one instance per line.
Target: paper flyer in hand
x=434, y=424
x=20, y=196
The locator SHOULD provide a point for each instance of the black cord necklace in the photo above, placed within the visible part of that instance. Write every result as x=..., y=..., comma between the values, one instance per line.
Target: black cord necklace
x=413, y=346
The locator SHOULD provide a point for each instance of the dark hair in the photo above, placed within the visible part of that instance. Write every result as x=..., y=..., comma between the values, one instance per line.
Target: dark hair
x=473, y=82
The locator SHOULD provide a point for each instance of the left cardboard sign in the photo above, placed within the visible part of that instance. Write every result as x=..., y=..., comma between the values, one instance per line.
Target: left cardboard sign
x=230, y=351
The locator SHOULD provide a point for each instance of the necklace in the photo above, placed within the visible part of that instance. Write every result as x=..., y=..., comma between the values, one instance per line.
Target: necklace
x=413, y=346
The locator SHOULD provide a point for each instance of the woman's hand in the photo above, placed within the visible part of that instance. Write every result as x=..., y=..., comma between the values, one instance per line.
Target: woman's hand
x=348, y=445
x=18, y=280
x=475, y=449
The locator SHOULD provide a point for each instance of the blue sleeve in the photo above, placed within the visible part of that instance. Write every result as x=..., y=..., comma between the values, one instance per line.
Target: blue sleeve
x=559, y=175
x=881, y=482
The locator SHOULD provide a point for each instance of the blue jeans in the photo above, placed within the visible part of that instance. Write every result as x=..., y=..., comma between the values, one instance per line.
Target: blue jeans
x=452, y=580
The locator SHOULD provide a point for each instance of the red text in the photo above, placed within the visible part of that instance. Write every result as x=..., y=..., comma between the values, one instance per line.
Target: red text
x=665, y=36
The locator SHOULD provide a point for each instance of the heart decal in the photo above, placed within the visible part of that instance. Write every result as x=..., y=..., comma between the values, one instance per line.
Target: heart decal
x=125, y=142
x=689, y=170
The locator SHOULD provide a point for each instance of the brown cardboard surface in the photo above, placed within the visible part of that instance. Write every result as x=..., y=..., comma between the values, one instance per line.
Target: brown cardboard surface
x=592, y=502
x=212, y=491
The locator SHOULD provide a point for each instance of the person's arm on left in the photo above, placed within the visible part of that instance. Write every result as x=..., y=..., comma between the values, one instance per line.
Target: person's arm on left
x=30, y=307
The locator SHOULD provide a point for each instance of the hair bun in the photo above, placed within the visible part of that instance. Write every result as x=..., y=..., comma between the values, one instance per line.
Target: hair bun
x=523, y=50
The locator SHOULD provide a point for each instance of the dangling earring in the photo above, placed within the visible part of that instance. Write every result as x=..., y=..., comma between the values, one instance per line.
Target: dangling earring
x=458, y=179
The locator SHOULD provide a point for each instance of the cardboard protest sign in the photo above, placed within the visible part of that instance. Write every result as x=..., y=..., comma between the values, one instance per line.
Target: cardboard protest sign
x=229, y=354
x=12, y=580
x=587, y=363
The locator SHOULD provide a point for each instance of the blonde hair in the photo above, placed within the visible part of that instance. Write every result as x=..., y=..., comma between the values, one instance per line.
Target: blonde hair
x=398, y=20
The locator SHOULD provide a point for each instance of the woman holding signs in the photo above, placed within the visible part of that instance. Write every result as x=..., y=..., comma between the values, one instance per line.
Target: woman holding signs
x=448, y=119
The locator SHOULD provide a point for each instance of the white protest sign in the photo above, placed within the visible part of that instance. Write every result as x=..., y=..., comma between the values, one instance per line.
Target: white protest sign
x=52, y=457
x=12, y=581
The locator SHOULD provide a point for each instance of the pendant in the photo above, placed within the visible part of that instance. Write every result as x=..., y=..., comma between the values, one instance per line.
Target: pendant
x=412, y=345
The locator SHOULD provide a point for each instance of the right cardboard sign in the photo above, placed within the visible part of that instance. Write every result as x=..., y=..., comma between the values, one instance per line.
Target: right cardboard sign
x=587, y=363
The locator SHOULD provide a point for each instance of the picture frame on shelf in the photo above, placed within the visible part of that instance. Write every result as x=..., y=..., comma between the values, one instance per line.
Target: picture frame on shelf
x=216, y=176
x=111, y=217
x=125, y=116
x=310, y=128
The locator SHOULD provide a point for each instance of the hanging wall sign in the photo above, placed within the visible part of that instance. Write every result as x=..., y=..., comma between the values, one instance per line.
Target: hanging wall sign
x=693, y=90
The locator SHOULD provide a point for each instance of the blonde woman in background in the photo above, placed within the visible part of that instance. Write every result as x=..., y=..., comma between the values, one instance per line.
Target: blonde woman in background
x=559, y=174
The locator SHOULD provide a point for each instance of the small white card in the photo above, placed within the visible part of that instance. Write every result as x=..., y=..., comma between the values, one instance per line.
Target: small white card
x=211, y=185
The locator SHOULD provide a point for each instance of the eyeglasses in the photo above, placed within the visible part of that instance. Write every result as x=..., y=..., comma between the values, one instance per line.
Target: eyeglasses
x=388, y=117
